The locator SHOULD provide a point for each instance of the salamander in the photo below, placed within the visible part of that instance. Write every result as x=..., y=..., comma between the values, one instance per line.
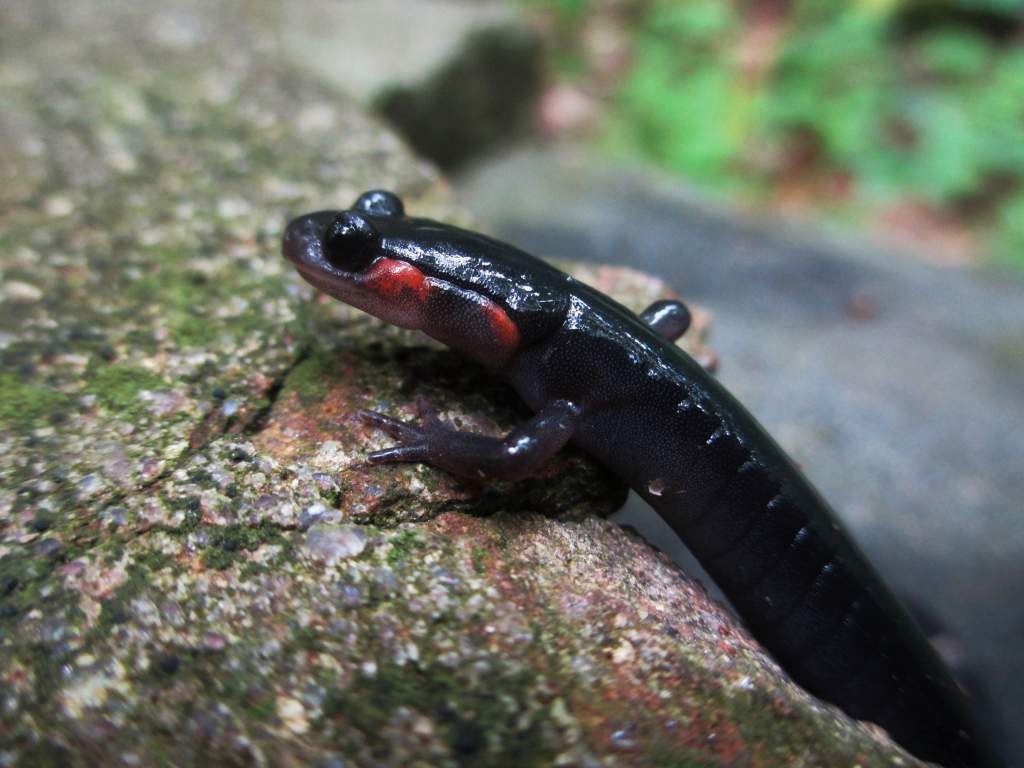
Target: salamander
x=616, y=385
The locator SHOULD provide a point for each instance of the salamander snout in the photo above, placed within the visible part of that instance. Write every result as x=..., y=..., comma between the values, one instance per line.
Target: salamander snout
x=302, y=243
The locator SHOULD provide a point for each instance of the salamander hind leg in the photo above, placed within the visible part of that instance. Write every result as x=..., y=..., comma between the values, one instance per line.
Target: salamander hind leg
x=472, y=456
x=668, y=318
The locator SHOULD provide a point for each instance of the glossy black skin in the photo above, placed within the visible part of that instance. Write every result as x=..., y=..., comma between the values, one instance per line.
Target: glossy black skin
x=616, y=386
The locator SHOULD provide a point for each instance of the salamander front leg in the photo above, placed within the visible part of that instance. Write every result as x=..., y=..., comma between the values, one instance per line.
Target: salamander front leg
x=669, y=318
x=472, y=456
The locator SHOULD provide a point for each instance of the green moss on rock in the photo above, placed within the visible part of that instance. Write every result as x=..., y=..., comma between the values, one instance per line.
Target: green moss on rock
x=23, y=574
x=227, y=545
x=479, y=727
x=310, y=379
x=25, y=404
x=403, y=546
x=118, y=387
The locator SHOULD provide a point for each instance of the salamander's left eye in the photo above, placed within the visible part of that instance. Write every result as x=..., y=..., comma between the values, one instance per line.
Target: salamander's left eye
x=350, y=242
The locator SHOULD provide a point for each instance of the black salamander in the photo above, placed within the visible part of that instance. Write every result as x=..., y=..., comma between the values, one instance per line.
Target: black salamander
x=616, y=385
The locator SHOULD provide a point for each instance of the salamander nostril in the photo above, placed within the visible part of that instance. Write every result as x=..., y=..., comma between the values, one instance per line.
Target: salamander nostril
x=349, y=242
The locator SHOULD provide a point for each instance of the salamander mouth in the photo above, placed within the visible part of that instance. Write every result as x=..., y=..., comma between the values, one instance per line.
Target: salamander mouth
x=302, y=245
x=317, y=278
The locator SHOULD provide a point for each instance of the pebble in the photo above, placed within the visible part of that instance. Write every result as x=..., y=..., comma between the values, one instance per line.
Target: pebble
x=623, y=653
x=385, y=580
x=292, y=714
x=58, y=205
x=89, y=484
x=214, y=641
x=333, y=543
x=351, y=595
x=19, y=292
x=318, y=513
x=233, y=207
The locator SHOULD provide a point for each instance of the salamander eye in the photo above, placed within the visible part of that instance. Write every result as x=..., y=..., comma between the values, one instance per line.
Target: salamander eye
x=350, y=242
x=378, y=202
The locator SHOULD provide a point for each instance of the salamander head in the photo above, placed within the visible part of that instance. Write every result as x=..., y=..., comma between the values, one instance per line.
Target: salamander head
x=343, y=253
x=466, y=290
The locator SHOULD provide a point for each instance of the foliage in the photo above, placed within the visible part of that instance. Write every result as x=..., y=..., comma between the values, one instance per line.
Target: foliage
x=904, y=100
x=683, y=104
x=935, y=118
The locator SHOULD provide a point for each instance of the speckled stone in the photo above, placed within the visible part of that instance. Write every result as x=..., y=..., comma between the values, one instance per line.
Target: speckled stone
x=333, y=543
x=196, y=563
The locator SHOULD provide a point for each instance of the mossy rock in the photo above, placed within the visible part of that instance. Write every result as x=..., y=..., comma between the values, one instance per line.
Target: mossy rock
x=196, y=563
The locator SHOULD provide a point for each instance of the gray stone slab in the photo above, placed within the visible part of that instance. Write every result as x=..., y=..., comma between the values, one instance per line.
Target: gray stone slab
x=367, y=46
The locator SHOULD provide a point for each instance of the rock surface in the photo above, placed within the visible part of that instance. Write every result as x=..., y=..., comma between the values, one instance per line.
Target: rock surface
x=195, y=563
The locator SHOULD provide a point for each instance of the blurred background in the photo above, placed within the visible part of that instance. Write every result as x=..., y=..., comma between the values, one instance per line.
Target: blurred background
x=840, y=183
x=900, y=117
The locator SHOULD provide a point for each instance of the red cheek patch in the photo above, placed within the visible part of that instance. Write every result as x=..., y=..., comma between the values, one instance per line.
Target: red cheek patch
x=505, y=331
x=392, y=279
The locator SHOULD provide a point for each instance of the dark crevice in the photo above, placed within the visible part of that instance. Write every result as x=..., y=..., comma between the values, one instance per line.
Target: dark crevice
x=215, y=425
x=258, y=421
